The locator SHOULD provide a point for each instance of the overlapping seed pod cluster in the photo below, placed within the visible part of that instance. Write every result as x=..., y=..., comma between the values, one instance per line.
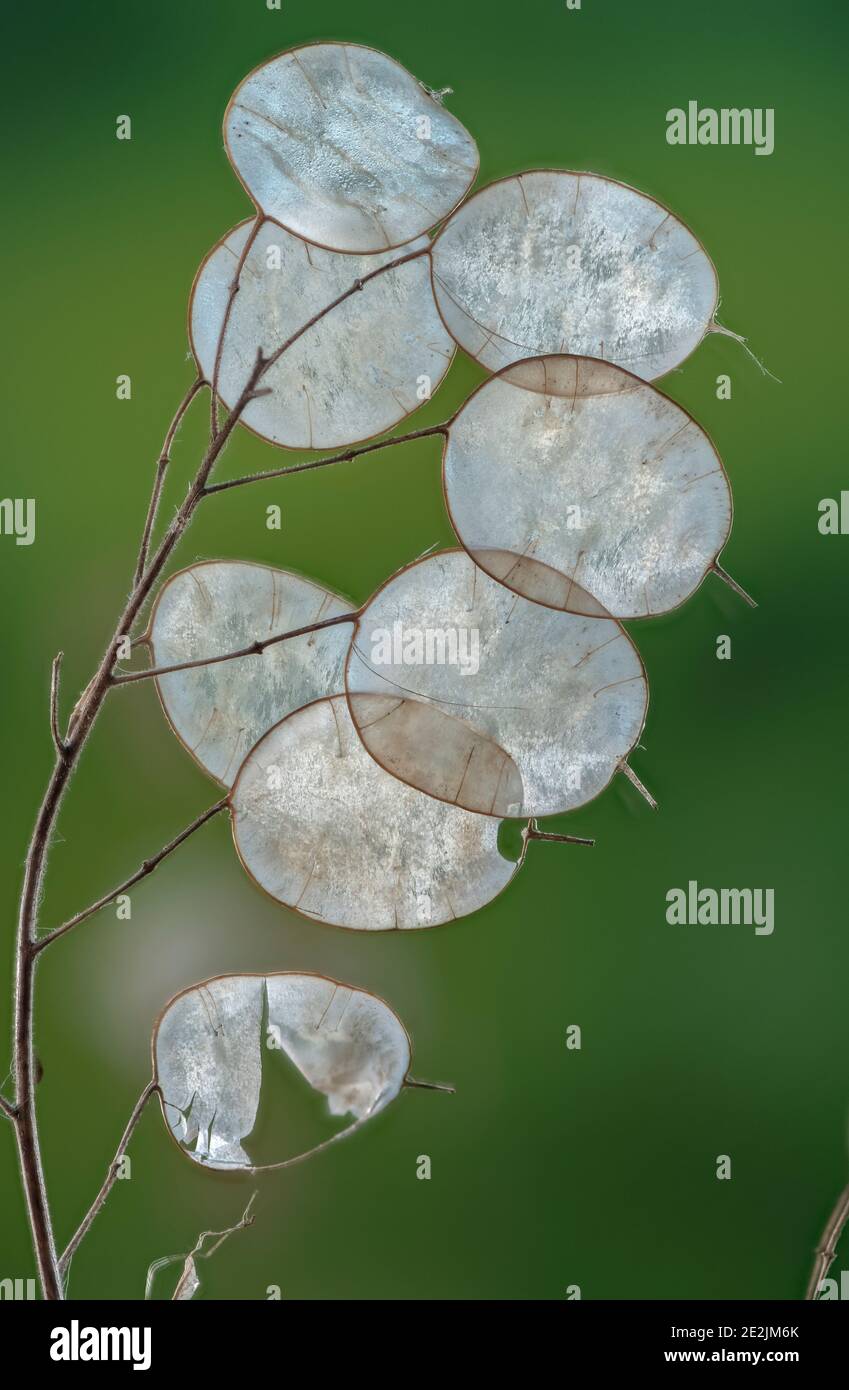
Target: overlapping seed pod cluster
x=370, y=757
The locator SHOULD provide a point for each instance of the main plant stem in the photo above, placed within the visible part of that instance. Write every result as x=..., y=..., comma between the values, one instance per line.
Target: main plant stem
x=25, y=1120
x=22, y=1113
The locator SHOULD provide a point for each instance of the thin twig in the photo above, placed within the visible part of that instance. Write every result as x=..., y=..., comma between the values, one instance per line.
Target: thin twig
x=8, y=1109
x=147, y=868
x=732, y=584
x=161, y=469
x=109, y=1181
x=347, y=457
x=26, y=946
x=235, y=286
x=254, y=649
x=189, y=1273
x=827, y=1248
x=340, y=299
x=629, y=772
x=534, y=834
x=58, y=741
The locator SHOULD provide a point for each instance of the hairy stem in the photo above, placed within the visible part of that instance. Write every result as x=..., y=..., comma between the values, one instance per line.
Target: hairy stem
x=146, y=868
x=161, y=469
x=58, y=741
x=827, y=1248
x=347, y=457
x=253, y=649
x=110, y=1179
x=27, y=948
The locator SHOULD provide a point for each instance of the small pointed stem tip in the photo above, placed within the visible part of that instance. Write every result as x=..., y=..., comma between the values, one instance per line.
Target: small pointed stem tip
x=635, y=782
x=732, y=584
x=534, y=834
x=430, y=1085
x=744, y=343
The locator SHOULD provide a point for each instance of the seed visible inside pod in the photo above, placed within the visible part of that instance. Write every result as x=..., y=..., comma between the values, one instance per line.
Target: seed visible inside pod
x=563, y=696
x=602, y=491
x=218, y=712
x=555, y=262
x=214, y=1042
x=325, y=830
x=343, y=146
x=324, y=391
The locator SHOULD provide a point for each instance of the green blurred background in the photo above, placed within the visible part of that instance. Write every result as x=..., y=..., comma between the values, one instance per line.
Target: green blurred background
x=550, y=1167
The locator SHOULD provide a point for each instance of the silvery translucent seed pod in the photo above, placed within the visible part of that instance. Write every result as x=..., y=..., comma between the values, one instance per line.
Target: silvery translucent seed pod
x=556, y=262
x=345, y=148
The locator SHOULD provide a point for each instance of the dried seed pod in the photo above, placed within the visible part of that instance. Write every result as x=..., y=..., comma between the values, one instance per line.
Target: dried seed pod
x=321, y=393
x=211, y=1047
x=218, y=712
x=322, y=828
x=556, y=262
x=563, y=696
x=581, y=487
x=341, y=145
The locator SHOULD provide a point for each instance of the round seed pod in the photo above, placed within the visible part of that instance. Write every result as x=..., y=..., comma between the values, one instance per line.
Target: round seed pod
x=323, y=829
x=555, y=262
x=320, y=394
x=219, y=712
x=345, y=148
x=470, y=665
x=581, y=487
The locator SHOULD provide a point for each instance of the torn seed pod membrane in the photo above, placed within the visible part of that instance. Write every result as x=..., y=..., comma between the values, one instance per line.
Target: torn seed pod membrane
x=580, y=486
x=214, y=1043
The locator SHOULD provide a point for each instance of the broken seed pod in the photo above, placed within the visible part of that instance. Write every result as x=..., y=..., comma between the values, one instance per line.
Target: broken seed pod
x=601, y=490
x=321, y=394
x=556, y=262
x=218, y=712
x=563, y=696
x=341, y=145
x=322, y=828
x=211, y=1044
